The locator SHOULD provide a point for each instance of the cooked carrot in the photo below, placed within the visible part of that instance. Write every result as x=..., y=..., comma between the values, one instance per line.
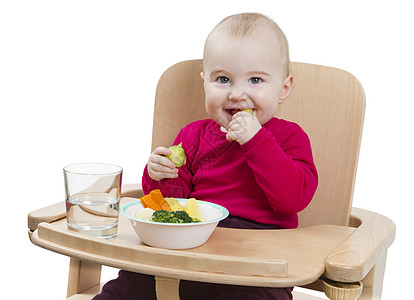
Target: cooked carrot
x=144, y=201
x=155, y=200
x=153, y=204
x=158, y=198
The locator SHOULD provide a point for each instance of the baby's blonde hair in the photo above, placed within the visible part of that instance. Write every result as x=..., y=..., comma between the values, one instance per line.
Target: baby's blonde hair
x=245, y=24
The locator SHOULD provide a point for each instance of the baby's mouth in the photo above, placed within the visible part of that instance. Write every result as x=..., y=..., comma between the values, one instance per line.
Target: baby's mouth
x=233, y=111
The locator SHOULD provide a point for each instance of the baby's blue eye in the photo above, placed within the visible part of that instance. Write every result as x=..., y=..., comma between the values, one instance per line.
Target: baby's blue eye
x=223, y=79
x=255, y=80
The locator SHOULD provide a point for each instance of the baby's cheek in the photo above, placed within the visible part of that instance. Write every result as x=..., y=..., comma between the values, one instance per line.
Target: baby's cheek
x=211, y=109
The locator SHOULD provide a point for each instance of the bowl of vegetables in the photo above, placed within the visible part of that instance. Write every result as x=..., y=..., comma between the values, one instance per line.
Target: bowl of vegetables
x=173, y=223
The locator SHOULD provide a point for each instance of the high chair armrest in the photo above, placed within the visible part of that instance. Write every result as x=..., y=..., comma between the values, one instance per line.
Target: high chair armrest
x=132, y=190
x=363, y=249
x=57, y=211
x=47, y=214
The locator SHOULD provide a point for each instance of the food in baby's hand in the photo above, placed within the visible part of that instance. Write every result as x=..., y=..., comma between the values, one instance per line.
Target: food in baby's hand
x=193, y=210
x=177, y=155
x=144, y=214
x=179, y=216
x=248, y=110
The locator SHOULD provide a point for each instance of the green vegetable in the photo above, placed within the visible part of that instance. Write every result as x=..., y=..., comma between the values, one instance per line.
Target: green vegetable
x=178, y=216
x=177, y=155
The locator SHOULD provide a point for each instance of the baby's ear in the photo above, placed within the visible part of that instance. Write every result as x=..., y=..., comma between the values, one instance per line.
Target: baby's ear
x=202, y=76
x=286, y=88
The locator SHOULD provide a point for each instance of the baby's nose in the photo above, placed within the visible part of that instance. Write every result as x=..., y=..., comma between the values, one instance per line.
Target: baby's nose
x=238, y=95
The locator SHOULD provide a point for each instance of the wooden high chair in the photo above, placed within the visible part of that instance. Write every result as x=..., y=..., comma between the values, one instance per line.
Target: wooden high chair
x=337, y=248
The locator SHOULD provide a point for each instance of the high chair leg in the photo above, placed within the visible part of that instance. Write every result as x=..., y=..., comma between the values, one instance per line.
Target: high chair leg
x=374, y=280
x=82, y=276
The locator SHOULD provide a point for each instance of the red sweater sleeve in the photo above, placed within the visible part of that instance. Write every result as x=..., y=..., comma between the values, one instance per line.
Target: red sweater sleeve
x=284, y=169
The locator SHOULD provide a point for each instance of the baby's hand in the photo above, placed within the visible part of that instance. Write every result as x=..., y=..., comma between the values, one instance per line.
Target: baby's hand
x=160, y=167
x=243, y=127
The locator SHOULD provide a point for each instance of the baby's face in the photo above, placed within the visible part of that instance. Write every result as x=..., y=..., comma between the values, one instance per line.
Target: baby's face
x=242, y=73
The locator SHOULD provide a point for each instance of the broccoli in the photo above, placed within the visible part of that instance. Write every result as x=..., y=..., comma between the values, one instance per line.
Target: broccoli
x=179, y=216
x=160, y=216
x=182, y=215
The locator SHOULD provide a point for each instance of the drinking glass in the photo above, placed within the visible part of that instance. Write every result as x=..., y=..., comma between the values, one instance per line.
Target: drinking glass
x=92, y=194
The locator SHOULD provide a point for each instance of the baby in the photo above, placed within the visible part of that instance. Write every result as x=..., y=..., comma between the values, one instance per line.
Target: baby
x=257, y=166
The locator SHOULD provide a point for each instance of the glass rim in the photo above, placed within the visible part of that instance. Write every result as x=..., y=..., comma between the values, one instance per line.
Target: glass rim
x=90, y=169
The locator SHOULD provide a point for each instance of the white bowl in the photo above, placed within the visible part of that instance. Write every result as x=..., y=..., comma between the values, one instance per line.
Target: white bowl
x=173, y=235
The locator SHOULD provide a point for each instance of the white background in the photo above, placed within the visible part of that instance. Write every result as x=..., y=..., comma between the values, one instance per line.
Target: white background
x=77, y=83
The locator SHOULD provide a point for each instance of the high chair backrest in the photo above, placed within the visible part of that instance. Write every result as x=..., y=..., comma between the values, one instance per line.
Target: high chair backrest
x=327, y=103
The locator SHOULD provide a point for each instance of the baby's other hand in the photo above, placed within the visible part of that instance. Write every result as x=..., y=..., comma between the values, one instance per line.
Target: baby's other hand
x=243, y=127
x=160, y=167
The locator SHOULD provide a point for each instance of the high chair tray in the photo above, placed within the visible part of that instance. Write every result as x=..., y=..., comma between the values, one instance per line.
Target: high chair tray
x=274, y=258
